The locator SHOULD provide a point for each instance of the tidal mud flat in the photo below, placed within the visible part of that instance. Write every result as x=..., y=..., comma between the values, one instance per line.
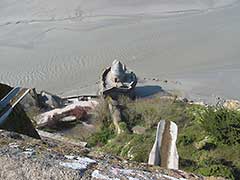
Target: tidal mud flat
x=64, y=48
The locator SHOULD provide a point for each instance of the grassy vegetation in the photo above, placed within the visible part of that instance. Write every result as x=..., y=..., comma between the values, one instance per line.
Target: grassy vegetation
x=212, y=141
x=104, y=124
x=208, y=139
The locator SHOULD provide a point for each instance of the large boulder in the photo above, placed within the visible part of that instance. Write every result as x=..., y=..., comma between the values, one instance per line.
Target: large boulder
x=50, y=101
x=232, y=104
x=23, y=157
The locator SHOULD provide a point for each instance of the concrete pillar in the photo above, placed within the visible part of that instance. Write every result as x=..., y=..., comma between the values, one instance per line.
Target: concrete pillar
x=164, y=152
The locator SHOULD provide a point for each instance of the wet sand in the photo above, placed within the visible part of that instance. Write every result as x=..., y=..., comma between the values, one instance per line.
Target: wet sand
x=63, y=47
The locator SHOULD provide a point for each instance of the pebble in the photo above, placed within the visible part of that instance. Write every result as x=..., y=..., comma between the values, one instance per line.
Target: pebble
x=13, y=145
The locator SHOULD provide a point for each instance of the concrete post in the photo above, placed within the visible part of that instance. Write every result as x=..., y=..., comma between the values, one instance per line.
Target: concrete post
x=164, y=152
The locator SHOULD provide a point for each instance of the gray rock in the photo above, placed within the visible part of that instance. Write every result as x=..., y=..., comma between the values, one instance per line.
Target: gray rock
x=36, y=160
x=138, y=130
x=50, y=101
x=68, y=119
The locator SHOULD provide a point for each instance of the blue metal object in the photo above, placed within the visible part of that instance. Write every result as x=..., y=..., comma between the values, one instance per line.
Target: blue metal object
x=6, y=104
x=6, y=100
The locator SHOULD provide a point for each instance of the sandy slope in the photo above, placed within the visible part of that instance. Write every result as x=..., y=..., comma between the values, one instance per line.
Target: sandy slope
x=62, y=46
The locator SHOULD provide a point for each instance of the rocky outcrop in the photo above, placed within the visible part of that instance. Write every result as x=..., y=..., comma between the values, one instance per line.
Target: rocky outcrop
x=49, y=101
x=164, y=152
x=65, y=117
x=61, y=138
x=22, y=157
x=138, y=130
x=18, y=120
x=232, y=104
x=116, y=115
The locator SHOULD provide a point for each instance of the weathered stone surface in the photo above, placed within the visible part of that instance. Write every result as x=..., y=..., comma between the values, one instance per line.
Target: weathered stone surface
x=232, y=104
x=164, y=152
x=28, y=158
x=116, y=116
x=138, y=130
x=58, y=137
x=50, y=101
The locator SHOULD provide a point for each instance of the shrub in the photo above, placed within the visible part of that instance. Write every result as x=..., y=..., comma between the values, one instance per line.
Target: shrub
x=206, y=134
x=106, y=128
x=148, y=112
x=186, y=140
x=216, y=170
x=222, y=124
x=100, y=138
x=131, y=146
x=103, y=115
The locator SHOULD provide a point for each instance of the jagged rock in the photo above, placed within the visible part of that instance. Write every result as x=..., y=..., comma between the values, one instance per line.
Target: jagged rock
x=61, y=118
x=232, y=104
x=138, y=130
x=116, y=116
x=28, y=102
x=77, y=163
x=58, y=137
x=50, y=101
x=28, y=158
x=164, y=152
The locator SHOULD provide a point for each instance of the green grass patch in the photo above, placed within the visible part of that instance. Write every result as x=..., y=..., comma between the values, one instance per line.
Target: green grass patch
x=208, y=139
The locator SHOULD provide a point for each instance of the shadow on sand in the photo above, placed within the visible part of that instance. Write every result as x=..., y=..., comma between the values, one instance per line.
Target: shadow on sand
x=146, y=91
